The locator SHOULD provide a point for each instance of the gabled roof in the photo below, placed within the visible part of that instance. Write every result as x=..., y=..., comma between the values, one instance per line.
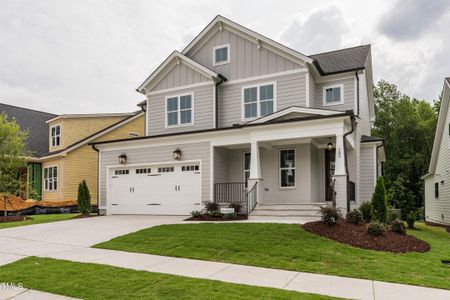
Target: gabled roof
x=295, y=111
x=343, y=60
x=100, y=115
x=222, y=22
x=179, y=57
x=95, y=135
x=34, y=122
x=440, y=125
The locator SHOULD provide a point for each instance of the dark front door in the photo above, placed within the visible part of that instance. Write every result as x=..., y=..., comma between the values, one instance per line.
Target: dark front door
x=329, y=172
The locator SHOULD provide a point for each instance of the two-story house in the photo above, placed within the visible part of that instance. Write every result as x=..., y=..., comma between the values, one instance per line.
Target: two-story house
x=236, y=116
x=59, y=154
x=437, y=181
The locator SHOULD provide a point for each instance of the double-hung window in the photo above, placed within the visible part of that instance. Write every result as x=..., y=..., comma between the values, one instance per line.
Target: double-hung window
x=179, y=110
x=55, y=135
x=287, y=168
x=221, y=55
x=258, y=101
x=51, y=178
x=247, y=157
x=333, y=95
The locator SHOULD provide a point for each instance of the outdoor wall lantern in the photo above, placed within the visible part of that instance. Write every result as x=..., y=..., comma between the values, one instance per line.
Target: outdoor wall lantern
x=330, y=145
x=177, y=154
x=122, y=159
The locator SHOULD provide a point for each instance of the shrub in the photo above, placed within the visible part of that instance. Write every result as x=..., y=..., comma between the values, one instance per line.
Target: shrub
x=330, y=215
x=366, y=210
x=215, y=213
x=196, y=213
x=229, y=216
x=237, y=207
x=397, y=226
x=379, y=202
x=84, y=198
x=376, y=228
x=211, y=206
x=411, y=218
x=392, y=218
x=355, y=217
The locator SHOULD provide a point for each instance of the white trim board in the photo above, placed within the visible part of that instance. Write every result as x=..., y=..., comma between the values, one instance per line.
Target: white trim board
x=295, y=109
x=266, y=76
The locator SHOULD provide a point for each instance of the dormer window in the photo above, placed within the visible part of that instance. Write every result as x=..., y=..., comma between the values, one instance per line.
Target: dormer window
x=333, y=95
x=221, y=55
x=55, y=135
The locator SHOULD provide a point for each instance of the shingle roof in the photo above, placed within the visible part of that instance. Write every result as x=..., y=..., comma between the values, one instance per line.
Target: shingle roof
x=344, y=60
x=34, y=122
x=367, y=139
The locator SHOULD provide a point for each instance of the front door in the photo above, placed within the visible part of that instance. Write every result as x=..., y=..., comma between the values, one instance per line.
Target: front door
x=329, y=172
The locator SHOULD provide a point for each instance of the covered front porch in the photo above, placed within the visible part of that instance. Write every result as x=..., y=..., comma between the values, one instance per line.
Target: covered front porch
x=298, y=173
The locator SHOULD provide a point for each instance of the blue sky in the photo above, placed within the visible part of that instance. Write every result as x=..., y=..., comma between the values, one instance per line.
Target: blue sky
x=89, y=56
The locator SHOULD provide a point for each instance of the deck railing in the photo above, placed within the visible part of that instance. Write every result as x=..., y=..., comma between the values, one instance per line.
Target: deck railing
x=252, y=197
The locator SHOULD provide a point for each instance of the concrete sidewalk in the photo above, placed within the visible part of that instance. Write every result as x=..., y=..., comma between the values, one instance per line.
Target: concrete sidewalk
x=70, y=240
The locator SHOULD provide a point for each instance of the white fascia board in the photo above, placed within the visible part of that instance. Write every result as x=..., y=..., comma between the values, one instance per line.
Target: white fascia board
x=101, y=115
x=222, y=22
x=181, y=58
x=240, y=135
x=295, y=109
x=440, y=127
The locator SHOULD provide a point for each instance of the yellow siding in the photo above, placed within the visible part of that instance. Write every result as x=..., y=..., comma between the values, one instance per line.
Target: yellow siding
x=82, y=163
x=75, y=129
x=58, y=194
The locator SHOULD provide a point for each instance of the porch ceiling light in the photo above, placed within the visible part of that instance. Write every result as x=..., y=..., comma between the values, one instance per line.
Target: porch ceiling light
x=177, y=154
x=122, y=159
x=330, y=145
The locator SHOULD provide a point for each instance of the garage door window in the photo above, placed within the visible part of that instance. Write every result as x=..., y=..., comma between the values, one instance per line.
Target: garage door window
x=166, y=169
x=143, y=171
x=121, y=172
x=190, y=168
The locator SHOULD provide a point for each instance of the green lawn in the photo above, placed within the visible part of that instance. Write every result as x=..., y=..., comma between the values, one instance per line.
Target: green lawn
x=289, y=247
x=92, y=281
x=37, y=219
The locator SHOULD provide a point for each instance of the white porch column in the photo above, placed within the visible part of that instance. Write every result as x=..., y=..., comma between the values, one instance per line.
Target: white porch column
x=340, y=174
x=255, y=171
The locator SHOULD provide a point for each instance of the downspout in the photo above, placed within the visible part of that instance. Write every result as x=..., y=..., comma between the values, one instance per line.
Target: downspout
x=98, y=181
x=357, y=93
x=221, y=80
x=378, y=147
x=352, y=119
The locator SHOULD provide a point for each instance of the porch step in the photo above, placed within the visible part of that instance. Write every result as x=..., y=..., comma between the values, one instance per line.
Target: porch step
x=288, y=210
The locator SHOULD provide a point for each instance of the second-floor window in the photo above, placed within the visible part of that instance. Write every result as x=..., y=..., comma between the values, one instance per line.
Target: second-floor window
x=258, y=101
x=333, y=95
x=55, y=135
x=221, y=55
x=51, y=178
x=179, y=110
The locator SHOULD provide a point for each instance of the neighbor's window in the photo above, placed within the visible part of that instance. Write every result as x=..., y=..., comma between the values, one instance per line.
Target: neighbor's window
x=287, y=168
x=247, y=158
x=333, y=95
x=436, y=190
x=221, y=55
x=55, y=135
x=51, y=178
x=179, y=110
x=258, y=101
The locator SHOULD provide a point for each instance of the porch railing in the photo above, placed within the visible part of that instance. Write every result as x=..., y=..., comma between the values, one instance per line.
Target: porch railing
x=252, y=198
x=230, y=192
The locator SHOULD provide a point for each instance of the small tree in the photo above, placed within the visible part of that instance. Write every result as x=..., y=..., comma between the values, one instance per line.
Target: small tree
x=12, y=158
x=379, y=202
x=84, y=198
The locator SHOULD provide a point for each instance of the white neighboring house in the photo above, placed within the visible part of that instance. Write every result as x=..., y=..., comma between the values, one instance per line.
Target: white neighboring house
x=238, y=117
x=437, y=181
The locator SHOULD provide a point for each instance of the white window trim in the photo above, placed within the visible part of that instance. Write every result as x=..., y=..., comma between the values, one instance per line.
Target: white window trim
x=294, y=168
x=244, y=170
x=57, y=178
x=258, y=102
x=179, y=110
x=60, y=135
x=324, y=95
x=228, y=56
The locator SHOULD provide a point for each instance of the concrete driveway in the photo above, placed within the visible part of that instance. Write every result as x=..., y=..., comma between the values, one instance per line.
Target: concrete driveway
x=42, y=239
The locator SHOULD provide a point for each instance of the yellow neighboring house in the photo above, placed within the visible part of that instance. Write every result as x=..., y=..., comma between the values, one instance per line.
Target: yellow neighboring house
x=71, y=159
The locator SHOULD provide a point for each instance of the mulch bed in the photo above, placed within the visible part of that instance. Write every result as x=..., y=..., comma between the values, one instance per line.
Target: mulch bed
x=207, y=217
x=357, y=236
x=13, y=218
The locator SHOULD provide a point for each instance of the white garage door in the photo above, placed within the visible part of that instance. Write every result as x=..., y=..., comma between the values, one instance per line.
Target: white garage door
x=170, y=189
